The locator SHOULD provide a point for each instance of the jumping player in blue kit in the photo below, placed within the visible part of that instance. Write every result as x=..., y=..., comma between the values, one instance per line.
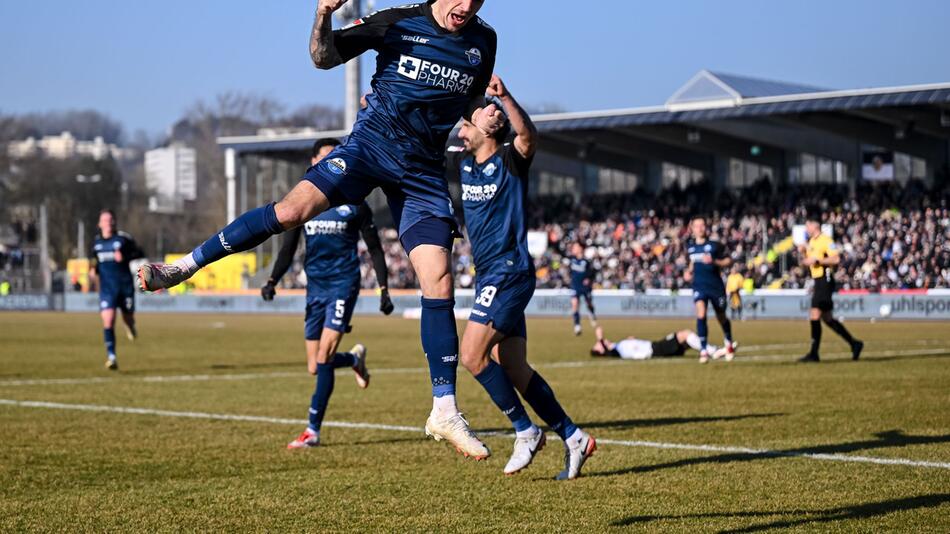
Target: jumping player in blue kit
x=434, y=62
x=332, y=265
x=582, y=281
x=707, y=258
x=494, y=178
x=111, y=253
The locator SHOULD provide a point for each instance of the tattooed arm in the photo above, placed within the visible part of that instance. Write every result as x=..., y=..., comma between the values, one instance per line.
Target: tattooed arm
x=322, y=52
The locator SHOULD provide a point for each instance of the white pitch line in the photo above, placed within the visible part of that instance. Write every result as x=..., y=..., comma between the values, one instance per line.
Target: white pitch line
x=252, y=376
x=417, y=430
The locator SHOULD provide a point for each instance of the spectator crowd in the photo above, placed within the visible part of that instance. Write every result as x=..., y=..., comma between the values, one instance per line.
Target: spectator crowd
x=890, y=236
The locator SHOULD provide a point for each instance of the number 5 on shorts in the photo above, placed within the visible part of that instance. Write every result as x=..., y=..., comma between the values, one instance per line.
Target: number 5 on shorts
x=340, y=309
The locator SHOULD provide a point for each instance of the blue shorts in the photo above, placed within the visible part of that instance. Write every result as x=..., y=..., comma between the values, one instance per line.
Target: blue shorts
x=716, y=298
x=415, y=186
x=581, y=291
x=121, y=297
x=331, y=309
x=500, y=300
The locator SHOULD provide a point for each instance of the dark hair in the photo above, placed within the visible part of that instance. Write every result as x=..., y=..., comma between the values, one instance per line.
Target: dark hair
x=813, y=213
x=107, y=210
x=320, y=143
x=698, y=216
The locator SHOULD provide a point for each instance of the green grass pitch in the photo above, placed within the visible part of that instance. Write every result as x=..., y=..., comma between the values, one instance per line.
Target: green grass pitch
x=819, y=435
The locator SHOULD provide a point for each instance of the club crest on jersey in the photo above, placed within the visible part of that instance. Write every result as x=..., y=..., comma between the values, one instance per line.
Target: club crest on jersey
x=489, y=169
x=337, y=166
x=474, y=56
x=344, y=211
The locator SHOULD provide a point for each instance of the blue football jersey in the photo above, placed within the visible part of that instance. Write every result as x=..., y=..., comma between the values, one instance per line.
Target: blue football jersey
x=331, y=238
x=112, y=257
x=581, y=269
x=425, y=76
x=494, y=199
x=707, y=277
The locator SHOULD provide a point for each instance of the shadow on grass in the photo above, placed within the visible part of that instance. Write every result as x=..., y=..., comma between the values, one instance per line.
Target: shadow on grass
x=652, y=422
x=843, y=513
x=890, y=438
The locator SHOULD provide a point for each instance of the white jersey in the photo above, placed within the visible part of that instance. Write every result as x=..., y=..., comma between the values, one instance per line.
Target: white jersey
x=635, y=349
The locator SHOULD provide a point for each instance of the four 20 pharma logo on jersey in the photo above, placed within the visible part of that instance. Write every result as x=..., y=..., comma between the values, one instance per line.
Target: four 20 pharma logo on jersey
x=435, y=75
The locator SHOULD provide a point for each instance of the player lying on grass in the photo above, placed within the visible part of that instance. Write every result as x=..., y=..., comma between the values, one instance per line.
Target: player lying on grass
x=434, y=62
x=632, y=348
x=494, y=177
x=111, y=253
x=332, y=265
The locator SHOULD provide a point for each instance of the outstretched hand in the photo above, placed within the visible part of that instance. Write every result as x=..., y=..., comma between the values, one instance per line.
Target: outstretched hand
x=488, y=120
x=496, y=87
x=327, y=7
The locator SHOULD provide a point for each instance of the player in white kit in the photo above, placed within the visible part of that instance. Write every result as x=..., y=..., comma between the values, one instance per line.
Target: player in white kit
x=632, y=348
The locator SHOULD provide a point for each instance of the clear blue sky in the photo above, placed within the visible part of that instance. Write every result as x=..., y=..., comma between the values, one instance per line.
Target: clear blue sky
x=144, y=63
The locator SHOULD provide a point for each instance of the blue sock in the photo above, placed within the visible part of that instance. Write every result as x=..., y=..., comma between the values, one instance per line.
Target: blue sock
x=727, y=330
x=321, y=396
x=702, y=331
x=343, y=359
x=440, y=341
x=109, y=335
x=499, y=388
x=244, y=233
x=542, y=400
x=577, y=318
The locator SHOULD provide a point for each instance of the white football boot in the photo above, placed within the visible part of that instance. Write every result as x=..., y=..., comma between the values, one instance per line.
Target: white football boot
x=456, y=431
x=703, y=356
x=307, y=439
x=359, y=369
x=577, y=449
x=524, y=451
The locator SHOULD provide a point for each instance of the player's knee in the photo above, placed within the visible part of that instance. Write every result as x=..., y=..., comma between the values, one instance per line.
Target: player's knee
x=436, y=285
x=473, y=360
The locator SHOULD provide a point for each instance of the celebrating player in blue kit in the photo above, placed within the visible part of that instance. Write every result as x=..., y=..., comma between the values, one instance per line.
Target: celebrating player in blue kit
x=707, y=258
x=582, y=281
x=494, y=180
x=434, y=62
x=333, y=284
x=111, y=253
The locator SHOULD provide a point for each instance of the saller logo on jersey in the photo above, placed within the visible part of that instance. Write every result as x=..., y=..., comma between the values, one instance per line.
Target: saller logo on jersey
x=429, y=73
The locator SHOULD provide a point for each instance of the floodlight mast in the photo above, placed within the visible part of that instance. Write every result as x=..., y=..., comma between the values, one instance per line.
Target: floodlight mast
x=354, y=79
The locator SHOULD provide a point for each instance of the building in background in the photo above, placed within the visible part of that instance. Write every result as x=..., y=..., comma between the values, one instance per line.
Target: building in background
x=171, y=175
x=65, y=146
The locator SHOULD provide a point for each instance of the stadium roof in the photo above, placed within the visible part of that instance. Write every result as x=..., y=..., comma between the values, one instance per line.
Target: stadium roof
x=710, y=96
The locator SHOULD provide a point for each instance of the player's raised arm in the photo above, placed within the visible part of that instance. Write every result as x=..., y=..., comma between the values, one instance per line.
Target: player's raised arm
x=329, y=48
x=375, y=247
x=284, y=258
x=526, y=135
x=322, y=50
